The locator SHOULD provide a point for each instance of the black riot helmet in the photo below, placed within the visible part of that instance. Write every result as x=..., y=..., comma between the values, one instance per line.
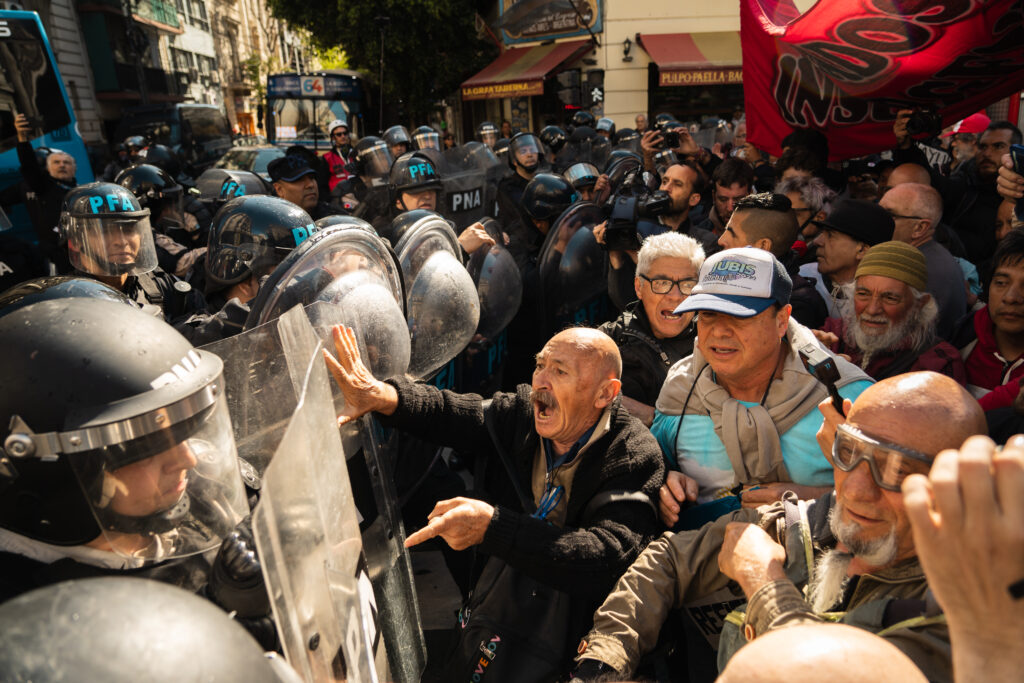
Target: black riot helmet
x=554, y=138
x=546, y=196
x=120, y=629
x=163, y=157
x=413, y=172
x=663, y=121
x=373, y=158
x=626, y=137
x=426, y=137
x=501, y=149
x=157, y=191
x=117, y=429
x=398, y=140
x=582, y=175
x=217, y=186
x=58, y=287
x=405, y=220
x=525, y=150
x=134, y=145
x=488, y=133
x=108, y=232
x=605, y=125
x=583, y=118
x=251, y=235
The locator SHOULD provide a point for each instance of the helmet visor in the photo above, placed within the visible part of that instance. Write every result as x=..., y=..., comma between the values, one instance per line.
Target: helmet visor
x=489, y=137
x=427, y=140
x=581, y=175
x=113, y=244
x=889, y=463
x=377, y=160
x=169, y=494
x=526, y=150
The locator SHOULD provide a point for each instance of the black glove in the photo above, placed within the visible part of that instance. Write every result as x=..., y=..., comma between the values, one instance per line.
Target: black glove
x=595, y=671
x=236, y=578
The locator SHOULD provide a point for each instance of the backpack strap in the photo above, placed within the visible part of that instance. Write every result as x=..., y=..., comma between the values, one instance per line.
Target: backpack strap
x=617, y=496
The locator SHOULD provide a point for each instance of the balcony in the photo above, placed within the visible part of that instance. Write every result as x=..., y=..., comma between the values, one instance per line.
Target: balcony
x=161, y=86
x=157, y=13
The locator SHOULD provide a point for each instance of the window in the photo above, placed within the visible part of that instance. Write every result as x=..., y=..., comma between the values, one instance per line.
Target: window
x=195, y=13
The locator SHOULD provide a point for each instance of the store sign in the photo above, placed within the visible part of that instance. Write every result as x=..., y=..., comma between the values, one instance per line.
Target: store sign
x=700, y=77
x=524, y=21
x=499, y=90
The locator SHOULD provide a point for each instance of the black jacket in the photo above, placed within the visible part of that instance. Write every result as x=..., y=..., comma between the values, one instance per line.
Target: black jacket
x=645, y=359
x=587, y=556
x=43, y=200
x=809, y=309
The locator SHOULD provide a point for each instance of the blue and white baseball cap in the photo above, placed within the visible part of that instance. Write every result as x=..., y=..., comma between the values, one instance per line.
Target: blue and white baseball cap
x=740, y=282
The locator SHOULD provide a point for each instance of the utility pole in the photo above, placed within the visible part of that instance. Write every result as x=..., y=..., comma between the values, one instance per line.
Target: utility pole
x=137, y=43
x=382, y=23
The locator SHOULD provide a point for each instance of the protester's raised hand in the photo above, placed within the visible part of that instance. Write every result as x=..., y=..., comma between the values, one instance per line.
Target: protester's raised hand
x=474, y=237
x=461, y=522
x=363, y=392
x=1009, y=183
x=827, y=432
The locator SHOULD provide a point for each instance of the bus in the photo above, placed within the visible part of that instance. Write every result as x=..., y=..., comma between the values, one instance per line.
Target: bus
x=30, y=84
x=301, y=106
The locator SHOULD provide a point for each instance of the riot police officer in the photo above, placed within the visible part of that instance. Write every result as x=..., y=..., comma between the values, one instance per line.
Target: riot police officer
x=398, y=140
x=413, y=183
x=109, y=237
x=605, y=128
x=487, y=133
x=250, y=236
x=524, y=157
x=583, y=177
x=177, y=239
x=426, y=137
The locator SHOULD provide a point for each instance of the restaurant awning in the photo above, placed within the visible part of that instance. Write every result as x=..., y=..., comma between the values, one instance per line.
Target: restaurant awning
x=520, y=71
x=711, y=58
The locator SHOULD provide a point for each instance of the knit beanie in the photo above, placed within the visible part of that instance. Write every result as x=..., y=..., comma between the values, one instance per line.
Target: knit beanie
x=897, y=260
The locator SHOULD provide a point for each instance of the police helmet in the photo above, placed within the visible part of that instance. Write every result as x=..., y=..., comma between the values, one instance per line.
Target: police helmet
x=251, y=235
x=546, y=196
x=122, y=629
x=373, y=157
x=583, y=118
x=581, y=175
x=626, y=135
x=405, y=220
x=117, y=431
x=554, y=137
x=58, y=287
x=521, y=147
x=664, y=120
x=162, y=157
x=107, y=231
x=397, y=136
x=218, y=186
x=135, y=144
x=413, y=172
x=606, y=125
x=426, y=137
x=487, y=133
x=501, y=149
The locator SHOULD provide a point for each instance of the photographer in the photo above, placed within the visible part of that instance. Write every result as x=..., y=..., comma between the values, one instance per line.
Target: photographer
x=683, y=184
x=673, y=136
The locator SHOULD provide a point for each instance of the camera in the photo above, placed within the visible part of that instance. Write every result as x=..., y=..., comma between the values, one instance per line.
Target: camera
x=633, y=212
x=671, y=139
x=924, y=120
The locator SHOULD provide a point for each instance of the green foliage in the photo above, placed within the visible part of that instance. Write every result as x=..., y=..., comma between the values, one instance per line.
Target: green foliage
x=430, y=46
x=332, y=58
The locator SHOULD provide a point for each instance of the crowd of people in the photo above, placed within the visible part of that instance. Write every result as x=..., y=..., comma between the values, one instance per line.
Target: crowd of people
x=792, y=400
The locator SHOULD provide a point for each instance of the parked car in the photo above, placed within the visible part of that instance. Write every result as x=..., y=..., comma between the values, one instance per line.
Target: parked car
x=198, y=133
x=252, y=158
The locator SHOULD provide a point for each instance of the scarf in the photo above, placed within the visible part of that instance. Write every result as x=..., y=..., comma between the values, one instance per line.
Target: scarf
x=750, y=434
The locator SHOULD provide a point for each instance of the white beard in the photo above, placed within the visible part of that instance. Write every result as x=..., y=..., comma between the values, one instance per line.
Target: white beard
x=829, y=582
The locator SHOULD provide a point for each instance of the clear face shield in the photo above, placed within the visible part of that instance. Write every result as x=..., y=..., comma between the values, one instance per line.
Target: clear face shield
x=427, y=141
x=489, y=137
x=171, y=211
x=526, y=151
x=377, y=160
x=169, y=493
x=110, y=244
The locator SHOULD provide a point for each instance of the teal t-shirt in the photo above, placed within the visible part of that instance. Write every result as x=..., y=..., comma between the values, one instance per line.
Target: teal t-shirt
x=700, y=454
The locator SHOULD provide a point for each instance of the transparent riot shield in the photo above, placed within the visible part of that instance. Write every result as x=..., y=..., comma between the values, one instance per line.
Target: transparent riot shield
x=343, y=603
x=442, y=305
x=500, y=289
x=573, y=271
x=471, y=183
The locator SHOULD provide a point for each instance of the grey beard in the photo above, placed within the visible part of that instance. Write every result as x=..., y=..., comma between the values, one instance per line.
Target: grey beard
x=876, y=553
x=829, y=581
x=915, y=331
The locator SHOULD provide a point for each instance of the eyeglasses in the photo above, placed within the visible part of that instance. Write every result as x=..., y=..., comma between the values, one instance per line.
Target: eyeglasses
x=339, y=134
x=663, y=286
x=889, y=463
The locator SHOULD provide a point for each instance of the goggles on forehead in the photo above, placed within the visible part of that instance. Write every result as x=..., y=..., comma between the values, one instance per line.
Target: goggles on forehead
x=889, y=463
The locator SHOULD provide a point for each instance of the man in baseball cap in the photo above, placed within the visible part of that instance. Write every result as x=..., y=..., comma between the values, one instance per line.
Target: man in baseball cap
x=743, y=408
x=295, y=180
x=851, y=228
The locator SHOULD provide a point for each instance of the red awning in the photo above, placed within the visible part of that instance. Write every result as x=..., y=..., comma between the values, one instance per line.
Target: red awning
x=711, y=58
x=520, y=71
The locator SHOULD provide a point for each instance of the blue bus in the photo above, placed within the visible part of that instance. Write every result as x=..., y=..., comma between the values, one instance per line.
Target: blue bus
x=30, y=84
x=301, y=106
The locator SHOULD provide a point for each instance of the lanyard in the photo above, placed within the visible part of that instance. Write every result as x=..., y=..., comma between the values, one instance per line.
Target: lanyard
x=548, y=502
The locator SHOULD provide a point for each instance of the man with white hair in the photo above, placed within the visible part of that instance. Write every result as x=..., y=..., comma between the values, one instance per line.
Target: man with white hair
x=650, y=335
x=891, y=327
x=916, y=210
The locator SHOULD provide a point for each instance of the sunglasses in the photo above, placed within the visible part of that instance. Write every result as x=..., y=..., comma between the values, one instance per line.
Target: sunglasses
x=889, y=463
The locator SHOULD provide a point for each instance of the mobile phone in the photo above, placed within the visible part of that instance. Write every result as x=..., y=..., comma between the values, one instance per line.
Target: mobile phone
x=1017, y=157
x=823, y=366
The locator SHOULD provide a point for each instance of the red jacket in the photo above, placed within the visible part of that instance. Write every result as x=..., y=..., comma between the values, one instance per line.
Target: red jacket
x=987, y=370
x=941, y=357
x=337, y=163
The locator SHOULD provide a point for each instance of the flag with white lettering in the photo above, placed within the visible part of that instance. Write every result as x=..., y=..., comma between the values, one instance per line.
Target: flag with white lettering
x=846, y=68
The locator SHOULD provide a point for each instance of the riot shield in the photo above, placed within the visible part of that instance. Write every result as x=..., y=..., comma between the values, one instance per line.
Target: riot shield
x=573, y=271
x=470, y=184
x=442, y=306
x=345, y=610
x=499, y=286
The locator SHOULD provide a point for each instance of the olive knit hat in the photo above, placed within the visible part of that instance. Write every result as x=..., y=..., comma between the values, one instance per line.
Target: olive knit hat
x=897, y=260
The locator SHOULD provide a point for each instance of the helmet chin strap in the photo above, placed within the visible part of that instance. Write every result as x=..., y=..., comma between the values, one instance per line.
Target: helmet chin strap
x=158, y=522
